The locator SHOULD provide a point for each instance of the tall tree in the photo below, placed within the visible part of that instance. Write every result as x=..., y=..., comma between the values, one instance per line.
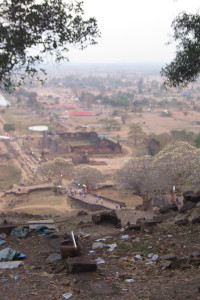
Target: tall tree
x=185, y=67
x=136, y=132
x=30, y=29
x=88, y=176
x=59, y=169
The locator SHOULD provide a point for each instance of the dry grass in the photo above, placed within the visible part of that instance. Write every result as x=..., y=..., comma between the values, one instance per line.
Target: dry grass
x=9, y=174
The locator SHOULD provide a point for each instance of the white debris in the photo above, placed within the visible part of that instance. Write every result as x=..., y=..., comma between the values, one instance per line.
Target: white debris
x=67, y=296
x=125, y=237
x=129, y=280
x=138, y=256
x=150, y=255
x=101, y=240
x=100, y=261
x=112, y=247
x=155, y=257
x=98, y=246
x=10, y=264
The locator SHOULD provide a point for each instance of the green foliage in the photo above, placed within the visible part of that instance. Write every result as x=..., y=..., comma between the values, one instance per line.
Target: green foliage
x=185, y=67
x=31, y=29
x=197, y=141
x=153, y=146
x=9, y=127
x=136, y=133
x=182, y=135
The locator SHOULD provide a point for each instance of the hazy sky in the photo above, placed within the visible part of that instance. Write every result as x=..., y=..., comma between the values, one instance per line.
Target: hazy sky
x=133, y=30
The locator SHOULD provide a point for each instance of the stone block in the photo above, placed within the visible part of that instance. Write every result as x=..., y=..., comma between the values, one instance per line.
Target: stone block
x=108, y=217
x=169, y=257
x=181, y=220
x=187, y=206
x=7, y=228
x=80, y=265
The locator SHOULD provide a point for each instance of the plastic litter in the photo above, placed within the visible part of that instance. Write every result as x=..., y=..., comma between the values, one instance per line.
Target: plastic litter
x=170, y=236
x=98, y=246
x=112, y=247
x=91, y=252
x=149, y=262
x=155, y=257
x=150, y=255
x=3, y=236
x=138, y=256
x=20, y=232
x=101, y=240
x=4, y=280
x=20, y=256
x=99, y=261
x=15, y=277
x=9, y=254
x=2, y=242
x=125, y=237
x=67, y=296
x=10, y=264
x=41, y=229
x=129, y=280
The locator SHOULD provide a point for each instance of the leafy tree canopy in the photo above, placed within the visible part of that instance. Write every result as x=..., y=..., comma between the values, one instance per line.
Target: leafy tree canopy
x=88, y=176
x=29, y=30
x=185, y=67
x=9, y=127
x=176, y=164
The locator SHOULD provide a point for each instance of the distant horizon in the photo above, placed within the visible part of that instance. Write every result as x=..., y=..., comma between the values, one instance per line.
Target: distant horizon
x=140, y=67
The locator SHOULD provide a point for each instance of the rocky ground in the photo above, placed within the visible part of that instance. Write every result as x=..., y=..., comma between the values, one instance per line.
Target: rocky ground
x=137, y=267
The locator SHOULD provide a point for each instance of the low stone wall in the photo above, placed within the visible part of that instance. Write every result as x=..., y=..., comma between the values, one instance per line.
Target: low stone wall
x=86, y=205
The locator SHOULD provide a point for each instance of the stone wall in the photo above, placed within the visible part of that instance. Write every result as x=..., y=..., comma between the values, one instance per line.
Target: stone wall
x=57, y=142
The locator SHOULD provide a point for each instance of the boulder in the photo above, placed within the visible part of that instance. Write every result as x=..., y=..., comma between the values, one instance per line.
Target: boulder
x=169, y=257
x=150, y=223
x=82, y=213
x=7, y=228
x=187, y=206
x=195, y=216
x=53, y=258
x=158, y=219
x=180, y=263
x=140, y=221
x=168, y=208
x=191, y=196
x=187, y=195
x=181, y=220
x=133, y=227
x=80, y=264
x=195, y=198
x=166, y=263
x=158, y=201
x=195, y=254
x=108, y=217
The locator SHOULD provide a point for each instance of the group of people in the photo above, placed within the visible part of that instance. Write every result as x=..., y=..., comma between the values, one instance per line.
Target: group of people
x=81, y=192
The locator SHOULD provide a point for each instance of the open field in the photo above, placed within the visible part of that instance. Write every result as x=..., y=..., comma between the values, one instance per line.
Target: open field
x=9, y=174
x=23, y=118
